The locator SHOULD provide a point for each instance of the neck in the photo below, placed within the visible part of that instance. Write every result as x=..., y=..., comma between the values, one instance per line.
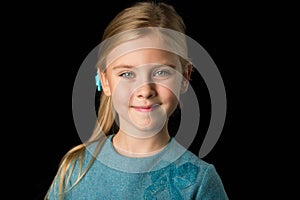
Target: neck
x=140, y=147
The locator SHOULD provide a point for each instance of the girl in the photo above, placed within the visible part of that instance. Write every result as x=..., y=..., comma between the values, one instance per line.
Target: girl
x=144, y=68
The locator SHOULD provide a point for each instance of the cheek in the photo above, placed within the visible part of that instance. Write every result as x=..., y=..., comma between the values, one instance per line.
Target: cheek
x=168, y=96
x=170, y=101
x=171, y=87
x=121, y=95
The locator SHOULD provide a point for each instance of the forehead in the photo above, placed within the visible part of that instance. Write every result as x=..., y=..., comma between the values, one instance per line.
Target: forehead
x=146, y=56
x=143, y=50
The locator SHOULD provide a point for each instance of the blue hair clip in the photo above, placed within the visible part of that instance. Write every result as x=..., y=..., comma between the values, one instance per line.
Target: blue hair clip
x=98, y=82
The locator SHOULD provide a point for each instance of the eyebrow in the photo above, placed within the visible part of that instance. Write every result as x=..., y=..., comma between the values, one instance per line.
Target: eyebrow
x=131, y=66
x=122, y=66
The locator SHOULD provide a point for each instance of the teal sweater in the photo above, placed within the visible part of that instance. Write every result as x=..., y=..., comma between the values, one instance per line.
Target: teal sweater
x=174, y=173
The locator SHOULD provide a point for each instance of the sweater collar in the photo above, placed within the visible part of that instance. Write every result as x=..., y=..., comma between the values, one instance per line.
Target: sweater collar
x=112, y=159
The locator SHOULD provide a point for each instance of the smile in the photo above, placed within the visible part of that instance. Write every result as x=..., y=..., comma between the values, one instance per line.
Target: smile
x=146, y=108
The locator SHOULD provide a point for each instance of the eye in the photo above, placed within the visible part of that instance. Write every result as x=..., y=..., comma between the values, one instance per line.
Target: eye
x=128, y=75
x=163, y=73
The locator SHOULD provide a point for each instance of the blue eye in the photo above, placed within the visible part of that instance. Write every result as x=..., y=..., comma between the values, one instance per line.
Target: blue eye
x=162, y=73
x=128, y=75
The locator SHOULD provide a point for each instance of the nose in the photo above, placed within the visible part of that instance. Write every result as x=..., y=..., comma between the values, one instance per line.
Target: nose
x=146, y=91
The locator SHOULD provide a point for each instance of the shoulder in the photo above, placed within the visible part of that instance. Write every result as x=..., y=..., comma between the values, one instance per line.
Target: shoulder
x=186, y=156
x=204, y=169
x=182, y=161
x=207, y=179
x=194, y=165
x=191, y=175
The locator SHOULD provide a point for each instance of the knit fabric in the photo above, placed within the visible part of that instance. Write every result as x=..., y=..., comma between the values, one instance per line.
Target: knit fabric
x=174, y=173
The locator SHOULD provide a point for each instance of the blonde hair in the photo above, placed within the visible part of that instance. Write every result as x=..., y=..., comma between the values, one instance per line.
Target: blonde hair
x=139, y=15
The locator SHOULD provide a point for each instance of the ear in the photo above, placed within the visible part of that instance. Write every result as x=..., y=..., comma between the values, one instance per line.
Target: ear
x=186, y=78
x=104, y=83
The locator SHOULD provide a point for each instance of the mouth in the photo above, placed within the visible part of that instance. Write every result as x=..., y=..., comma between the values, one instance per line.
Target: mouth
x=147, y=108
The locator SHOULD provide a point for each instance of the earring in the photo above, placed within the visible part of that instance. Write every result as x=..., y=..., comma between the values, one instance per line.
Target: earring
x=98, y=82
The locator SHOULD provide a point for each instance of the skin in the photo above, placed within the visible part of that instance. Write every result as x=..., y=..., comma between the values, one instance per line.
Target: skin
x=145, y=86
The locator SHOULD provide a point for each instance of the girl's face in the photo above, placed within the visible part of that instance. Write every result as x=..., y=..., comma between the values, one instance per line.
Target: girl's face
x=145, y=86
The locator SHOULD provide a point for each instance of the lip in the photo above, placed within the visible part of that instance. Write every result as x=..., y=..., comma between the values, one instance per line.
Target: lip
x=146, y=108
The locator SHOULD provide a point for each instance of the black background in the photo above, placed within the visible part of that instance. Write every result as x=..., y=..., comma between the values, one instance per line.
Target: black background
x=45, y=44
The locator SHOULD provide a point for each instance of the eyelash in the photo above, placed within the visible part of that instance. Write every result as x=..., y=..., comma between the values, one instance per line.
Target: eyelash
x=131, y=75
x=165, y=73
x=124, y=75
